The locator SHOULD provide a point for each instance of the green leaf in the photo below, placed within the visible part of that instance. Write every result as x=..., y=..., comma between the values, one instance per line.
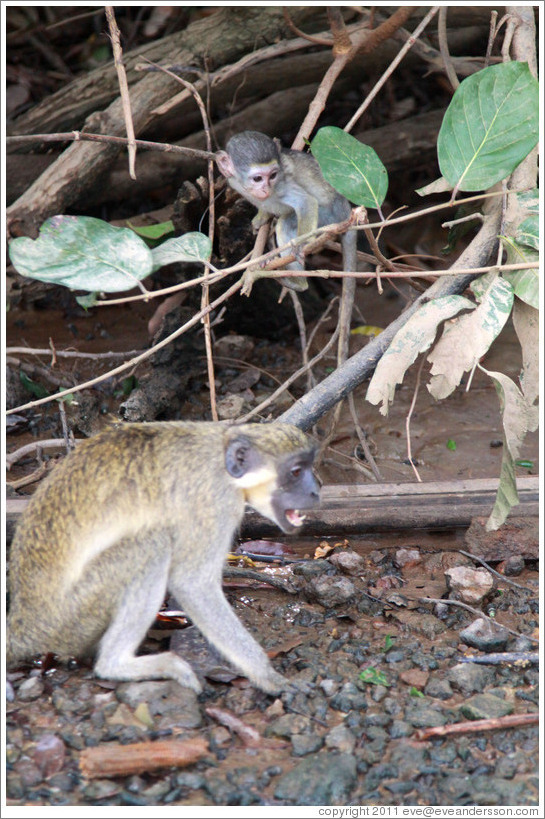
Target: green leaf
x=490, y=126
x=87, y=301
x=83, y=253
x=33, y=387
x=451, y=445
x=506, y=495
x=191, y=247
x=353, y=168
x=153, y=231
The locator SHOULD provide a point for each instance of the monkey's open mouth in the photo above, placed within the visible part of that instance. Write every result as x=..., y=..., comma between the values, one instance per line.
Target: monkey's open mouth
x=295, y=517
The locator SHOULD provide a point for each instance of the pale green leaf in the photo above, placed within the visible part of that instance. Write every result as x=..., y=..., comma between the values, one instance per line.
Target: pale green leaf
x=83, y=253
x=506, y=495
x=191, y=247
x=467, y=338
x=526, y=324
x=413, y=338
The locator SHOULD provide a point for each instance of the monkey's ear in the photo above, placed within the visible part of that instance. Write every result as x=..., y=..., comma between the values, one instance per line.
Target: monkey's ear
x=240, y=457
x=225, y=164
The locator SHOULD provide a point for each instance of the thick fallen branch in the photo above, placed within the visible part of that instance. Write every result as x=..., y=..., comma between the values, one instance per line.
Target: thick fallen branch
x=114, y=759
x=314, y=404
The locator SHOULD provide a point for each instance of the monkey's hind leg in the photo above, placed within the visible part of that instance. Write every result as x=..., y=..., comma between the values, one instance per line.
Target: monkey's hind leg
x=139, y=603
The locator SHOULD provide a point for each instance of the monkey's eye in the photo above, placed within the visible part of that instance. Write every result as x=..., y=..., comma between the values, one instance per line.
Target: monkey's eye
x=295, y=471
x=273, y=175
x=257, y=179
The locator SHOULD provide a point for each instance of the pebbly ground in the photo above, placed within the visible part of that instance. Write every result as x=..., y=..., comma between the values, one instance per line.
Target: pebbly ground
x=383, y=667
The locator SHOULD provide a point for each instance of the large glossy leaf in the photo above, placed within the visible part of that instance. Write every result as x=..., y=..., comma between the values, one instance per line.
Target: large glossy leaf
x=353, y=168
x=83, y=253
x=490, y=126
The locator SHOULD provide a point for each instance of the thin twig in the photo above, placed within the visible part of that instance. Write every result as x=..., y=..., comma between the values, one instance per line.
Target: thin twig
x=298, y=310
x=205, y=296
x=391, y=68
x=408, y=420
x=363, y=439
x=123, y=87
x=35, y=447
x=477, y=726
x=289, y=381
x=494, y=572
x=479, y=614
x=443, y=48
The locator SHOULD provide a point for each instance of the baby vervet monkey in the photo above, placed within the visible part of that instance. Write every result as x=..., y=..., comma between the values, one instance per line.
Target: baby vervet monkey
x=287, y=184
x=141, y=510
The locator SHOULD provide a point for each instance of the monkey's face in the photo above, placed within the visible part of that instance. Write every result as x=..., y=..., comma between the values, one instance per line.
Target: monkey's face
x=297, y=489
x=261, y=180
x=279, y=488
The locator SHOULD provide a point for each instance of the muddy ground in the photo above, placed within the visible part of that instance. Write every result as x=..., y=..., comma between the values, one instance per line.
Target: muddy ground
x=383, y=665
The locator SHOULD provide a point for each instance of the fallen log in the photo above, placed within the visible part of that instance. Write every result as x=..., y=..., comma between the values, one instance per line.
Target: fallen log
x=385, y=507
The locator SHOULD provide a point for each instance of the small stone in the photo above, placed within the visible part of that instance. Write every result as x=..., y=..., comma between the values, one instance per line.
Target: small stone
x=329, y=687
x=320, y=779
x=415, y=677
x=331, y=591
x=485, y=636
x=485, y=706
x=407, y=557
x=348, y=562
x=30, y=689
x=303, y=744
x=288, y=725
x=101, y=789
x=438, y=689
x=400, y=728
x=49, y=754
x=341, y=739
x=512, y=566
x=469, y=585
x=230, y=406
x=470, y=678
x=422, y=715
x=28, y=772
x=348, y=698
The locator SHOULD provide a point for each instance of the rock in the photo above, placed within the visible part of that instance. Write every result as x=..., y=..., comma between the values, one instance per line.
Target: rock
x=175, y=704
x=469, y=585
x=485, y=636
x=288, y=725
x=28, y=771
x=331, y=591
x=322, y=779
x=485, y=706
x=423, y=715
x=234, y=346
x=517, y=536
x=31, y=689
x=470, y=678
x=303, y=744
x=329, y=687
x=348, y=698
x=341, y=738
x=348, y=562
x=49, y=754
x=512, y=566
x=230, y=406
x=415, y=677
x=438, y=689
x=407, y=557
x=100, y=789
